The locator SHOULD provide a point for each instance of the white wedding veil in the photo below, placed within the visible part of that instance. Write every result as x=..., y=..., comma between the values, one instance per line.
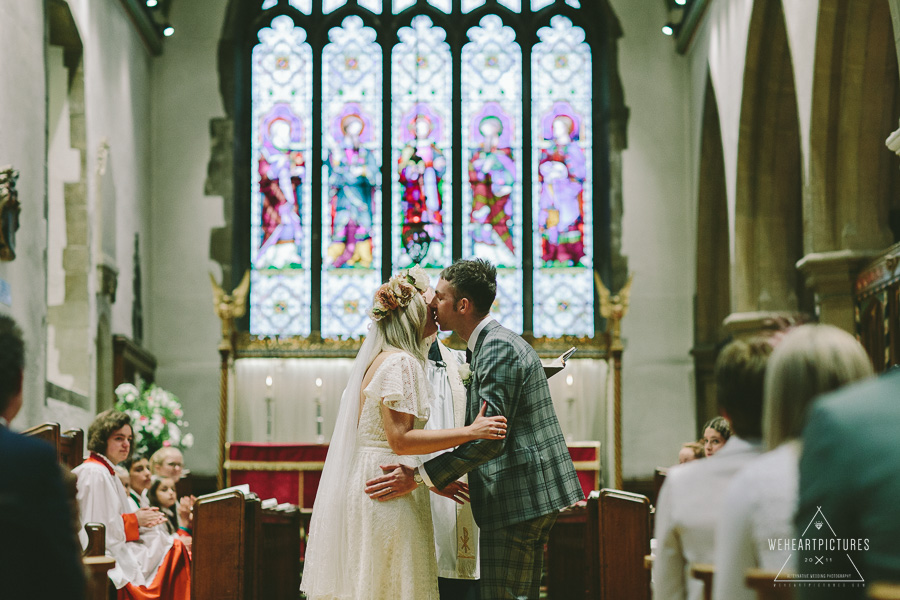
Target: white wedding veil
x=326, y=570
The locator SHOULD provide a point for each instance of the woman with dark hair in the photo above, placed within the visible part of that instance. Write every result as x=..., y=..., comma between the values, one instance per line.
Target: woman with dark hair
x=150, y=562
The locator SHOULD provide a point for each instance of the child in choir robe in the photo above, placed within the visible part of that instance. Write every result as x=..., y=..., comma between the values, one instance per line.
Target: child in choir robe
x=139, y=480
x=151, y=563
x=162, y=495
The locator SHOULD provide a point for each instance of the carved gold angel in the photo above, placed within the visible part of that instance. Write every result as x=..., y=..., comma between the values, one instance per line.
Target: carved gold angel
x=613, y=308
x=231, y=306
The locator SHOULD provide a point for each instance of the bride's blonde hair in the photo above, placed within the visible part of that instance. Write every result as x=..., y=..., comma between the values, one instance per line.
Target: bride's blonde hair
x=400, y=312
x=404, y=328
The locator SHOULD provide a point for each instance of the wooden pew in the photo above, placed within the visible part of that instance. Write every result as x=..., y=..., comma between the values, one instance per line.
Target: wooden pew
x=71, y=448
x=705, y=574
x=225, y=555
x=763, y=583
x=49, y=432
x=884, y=590
x=596, y=551
x=279, y=567
x=97, y=563
x=623, y=539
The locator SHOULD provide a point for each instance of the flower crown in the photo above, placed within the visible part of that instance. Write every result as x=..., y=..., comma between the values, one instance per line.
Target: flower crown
x=398, y=291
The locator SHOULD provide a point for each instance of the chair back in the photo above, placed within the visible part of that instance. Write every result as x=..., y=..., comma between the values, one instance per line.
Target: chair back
x=884, y=590
x=765, y=586
x=705, y=574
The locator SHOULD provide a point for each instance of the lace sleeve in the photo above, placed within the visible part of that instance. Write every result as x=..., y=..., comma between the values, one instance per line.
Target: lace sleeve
x=400, y=383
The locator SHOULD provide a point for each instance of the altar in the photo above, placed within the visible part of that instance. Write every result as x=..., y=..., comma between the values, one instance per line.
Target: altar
x=291, y=472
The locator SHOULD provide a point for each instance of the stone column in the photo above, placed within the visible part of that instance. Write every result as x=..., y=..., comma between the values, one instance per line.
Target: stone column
x=831, y=276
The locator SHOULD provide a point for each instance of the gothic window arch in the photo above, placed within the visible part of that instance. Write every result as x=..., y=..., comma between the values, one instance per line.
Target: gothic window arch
x=372, y=135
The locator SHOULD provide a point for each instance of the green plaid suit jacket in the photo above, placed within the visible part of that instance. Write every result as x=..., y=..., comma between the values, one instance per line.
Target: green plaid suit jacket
x=530, y=473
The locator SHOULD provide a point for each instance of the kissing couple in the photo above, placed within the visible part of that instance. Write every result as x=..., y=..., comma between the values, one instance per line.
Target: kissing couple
x=371, y=534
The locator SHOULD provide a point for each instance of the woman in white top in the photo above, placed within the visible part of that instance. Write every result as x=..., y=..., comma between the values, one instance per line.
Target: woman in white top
x=361, y=548
x=761, y=499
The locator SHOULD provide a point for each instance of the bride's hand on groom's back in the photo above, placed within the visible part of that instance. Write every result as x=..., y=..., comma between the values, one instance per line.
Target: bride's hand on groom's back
x=487, y=428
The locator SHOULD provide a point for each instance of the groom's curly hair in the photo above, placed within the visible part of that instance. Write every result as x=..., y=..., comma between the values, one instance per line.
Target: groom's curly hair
x=475, y=279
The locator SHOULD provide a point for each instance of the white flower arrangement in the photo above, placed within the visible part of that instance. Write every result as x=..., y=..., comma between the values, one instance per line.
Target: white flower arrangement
x=465, y=373
x=156, y=418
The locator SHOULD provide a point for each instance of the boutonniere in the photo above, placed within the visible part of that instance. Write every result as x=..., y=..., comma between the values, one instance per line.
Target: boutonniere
x=465, y=374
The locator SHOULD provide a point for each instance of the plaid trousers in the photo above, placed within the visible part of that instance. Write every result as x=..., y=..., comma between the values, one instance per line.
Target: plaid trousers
x=512, y=559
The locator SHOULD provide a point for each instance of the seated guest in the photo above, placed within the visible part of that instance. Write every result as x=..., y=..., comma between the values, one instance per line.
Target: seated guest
x=850, y=470
x=715, y=433
x=39, y=554
x=162, y=496
x=691, y=451
x=167, y=462
x=761, y=500
x=150, y=562
x=139, y=480
x=690, y=499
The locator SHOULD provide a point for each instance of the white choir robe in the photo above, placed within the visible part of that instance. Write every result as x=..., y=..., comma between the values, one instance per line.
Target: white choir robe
x=102, y=499
x=455, y=532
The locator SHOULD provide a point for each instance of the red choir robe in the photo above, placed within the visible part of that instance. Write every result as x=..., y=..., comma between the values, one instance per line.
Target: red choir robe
x=151, y=563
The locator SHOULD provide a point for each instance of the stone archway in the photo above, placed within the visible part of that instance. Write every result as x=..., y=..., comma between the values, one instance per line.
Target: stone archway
x=713, y=294
x=768, y=210
x=853, y=196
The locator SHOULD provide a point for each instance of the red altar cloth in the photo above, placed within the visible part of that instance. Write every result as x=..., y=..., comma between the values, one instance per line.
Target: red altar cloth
x=286, y=472
x=291, y=472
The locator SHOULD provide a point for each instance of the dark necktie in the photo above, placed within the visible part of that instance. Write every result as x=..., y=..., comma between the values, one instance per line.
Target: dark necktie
x=468, y=356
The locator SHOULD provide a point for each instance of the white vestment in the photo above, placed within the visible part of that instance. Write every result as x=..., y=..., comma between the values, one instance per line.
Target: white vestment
x=102, y=499
x=455, y=532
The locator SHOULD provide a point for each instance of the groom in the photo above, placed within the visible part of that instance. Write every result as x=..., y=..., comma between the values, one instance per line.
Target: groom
x=518, y=485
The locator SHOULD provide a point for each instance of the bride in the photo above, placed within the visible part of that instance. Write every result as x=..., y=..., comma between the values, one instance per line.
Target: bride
x=360, y=548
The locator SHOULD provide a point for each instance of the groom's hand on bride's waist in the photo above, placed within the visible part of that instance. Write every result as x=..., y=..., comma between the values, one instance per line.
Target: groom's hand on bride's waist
x=397, y=481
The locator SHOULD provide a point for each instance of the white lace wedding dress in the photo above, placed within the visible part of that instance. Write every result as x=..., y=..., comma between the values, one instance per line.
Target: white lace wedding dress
x=390, y=550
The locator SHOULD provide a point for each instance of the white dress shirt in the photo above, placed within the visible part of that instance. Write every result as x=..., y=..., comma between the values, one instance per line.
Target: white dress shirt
x=759, y=506
x=687, y=513
x=473, y=339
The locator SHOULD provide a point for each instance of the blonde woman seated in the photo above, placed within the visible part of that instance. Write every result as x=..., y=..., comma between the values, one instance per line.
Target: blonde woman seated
x=150, y=562
x=360, y=548
x=761, y=500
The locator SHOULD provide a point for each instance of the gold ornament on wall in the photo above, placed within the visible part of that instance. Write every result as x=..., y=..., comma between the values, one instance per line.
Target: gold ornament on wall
x=9, y=212
x=613, y=308
x=229, y=307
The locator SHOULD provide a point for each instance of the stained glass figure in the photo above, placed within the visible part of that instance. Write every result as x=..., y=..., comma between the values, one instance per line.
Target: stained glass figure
x=537, y=5
x=304, y=6
x=492, y=200
x=421, y=97
x=561, y=95
x=329, y=6
x=470, y=5
x=400, y=5
x=280, y=214
x=351, y=122
x=442, y=5
x=372, y=5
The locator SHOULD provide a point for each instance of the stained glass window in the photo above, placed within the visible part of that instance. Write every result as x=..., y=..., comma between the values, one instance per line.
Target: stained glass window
x=561, y=129
x=351, y=123
x=392, y=190
x=281, y=194
x=492, y=197
x=420, y=141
